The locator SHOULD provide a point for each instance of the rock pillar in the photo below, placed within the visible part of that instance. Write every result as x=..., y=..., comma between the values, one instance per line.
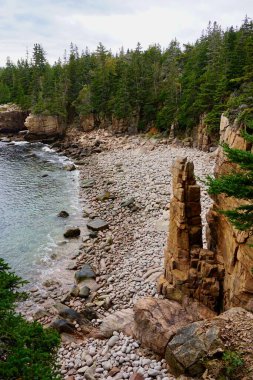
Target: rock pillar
x=190, y=270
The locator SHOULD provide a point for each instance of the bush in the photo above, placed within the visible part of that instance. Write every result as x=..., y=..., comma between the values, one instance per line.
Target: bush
x=27, y=351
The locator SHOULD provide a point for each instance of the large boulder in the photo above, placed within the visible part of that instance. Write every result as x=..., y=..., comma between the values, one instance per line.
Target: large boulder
x=186, y=350
x=42, y=127
x=157, y=320
x=199, y=347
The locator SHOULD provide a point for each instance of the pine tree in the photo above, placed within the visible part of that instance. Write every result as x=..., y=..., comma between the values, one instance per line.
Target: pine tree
x=238, y=183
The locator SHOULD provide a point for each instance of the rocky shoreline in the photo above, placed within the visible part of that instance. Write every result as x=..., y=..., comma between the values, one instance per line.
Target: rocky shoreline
x=125, y=182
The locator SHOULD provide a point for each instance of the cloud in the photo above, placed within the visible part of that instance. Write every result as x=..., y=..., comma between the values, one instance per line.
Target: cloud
x=115, y=23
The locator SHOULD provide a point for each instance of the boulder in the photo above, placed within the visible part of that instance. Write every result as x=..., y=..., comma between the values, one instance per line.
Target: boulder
x=84, y=291
x=157, y=320
x=186, y=350
x=68, y=313
x=70, y=167
x=63, y=326
x=42, y=127
x=63, y=214
x=120, y=320
x=72, y=232
x=199, y=347
x=97, y=224
x=84, y=273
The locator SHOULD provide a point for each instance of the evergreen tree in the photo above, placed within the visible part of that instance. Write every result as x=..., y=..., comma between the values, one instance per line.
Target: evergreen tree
x=238, y=183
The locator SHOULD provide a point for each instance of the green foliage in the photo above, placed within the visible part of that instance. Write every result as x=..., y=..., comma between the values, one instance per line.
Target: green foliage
x=155, y=86
x=238, y=183
x=27, y=351
x=232, y=362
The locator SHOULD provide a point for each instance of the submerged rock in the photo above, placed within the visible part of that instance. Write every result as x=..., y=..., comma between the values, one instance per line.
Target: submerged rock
x=70, y=167
x=63, y=214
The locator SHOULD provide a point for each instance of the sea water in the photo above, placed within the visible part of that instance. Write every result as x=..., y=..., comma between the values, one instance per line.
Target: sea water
x=34, y=188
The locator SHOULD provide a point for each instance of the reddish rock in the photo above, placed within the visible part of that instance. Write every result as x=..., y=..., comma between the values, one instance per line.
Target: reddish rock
x=157, y=320
x=137, y=376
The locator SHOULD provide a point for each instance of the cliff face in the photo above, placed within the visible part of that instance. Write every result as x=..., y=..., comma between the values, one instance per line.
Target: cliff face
x=221, y=276
x=42, y=127
x=11, y=119
x=113, y=125
x=231, y=247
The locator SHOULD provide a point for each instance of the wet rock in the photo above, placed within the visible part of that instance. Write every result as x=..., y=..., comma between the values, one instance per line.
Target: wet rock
x=86, y=272
x=63, y=214
x=97, y=225
x=68, y=313
x=70, y=167
x=72, y=232
x=63, y=326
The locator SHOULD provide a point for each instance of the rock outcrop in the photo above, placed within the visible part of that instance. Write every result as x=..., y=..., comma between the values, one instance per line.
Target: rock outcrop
x=190, y=270
x=202, y=138
x=221, y=276
x=232, y=248
x=42, y=127
x=112, y=125
x=156, y=321
x=12, y=119
x=199, y=346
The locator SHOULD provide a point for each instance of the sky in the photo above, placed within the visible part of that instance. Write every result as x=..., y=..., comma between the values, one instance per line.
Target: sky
x=56, y=23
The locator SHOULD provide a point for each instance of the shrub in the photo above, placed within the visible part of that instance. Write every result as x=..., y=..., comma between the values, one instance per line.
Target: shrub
x=27, y=351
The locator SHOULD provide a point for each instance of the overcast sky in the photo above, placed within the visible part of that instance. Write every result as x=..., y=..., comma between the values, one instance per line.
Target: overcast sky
x=115, y=23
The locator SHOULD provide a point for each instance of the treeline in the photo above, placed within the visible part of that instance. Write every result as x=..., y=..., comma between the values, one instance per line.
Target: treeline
x=158, y=86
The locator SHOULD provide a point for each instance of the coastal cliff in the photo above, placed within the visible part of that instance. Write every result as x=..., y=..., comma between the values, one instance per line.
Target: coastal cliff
x=42, y=127
x=12, y=119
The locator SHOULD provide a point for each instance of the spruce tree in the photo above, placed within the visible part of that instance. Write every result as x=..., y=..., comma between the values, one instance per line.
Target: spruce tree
x=238, y=183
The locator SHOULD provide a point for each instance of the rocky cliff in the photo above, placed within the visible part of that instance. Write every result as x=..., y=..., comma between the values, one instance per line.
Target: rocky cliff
x=42, y=127
x=112, y=125
x=221, y=276
x=232, y=247
x=12, y=119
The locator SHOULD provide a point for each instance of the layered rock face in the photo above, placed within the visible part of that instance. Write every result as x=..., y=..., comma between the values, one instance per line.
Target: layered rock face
x=189, y=269
x=221, y=276
x=114, y=125
x=11, y=119
x=232, y=247
x=42, y=127
x=202, y=138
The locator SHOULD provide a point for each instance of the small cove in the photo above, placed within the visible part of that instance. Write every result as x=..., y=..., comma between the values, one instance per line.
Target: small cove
x=34, y=188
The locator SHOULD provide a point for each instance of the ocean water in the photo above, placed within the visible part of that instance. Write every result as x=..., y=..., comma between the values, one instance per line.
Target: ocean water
x=34, y=188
